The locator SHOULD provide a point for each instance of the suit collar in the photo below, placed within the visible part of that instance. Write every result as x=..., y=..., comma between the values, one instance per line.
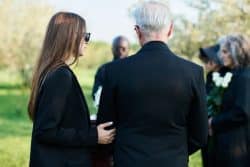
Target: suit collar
x=155, y=45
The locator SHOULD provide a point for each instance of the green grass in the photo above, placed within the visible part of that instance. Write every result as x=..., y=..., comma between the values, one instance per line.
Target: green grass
x=15, y=127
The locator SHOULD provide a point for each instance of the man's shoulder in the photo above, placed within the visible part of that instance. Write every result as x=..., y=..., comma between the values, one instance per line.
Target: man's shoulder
x=179, y=61
x=102, y=68
x=187, y=64
x=120, y=62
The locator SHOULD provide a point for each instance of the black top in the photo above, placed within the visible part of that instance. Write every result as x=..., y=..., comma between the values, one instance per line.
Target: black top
x=61, y=130
x=235, y=110
x=157, y=102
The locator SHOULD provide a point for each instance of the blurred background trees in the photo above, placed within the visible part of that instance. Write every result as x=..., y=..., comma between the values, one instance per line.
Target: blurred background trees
x=22, y=30
x=216, y=18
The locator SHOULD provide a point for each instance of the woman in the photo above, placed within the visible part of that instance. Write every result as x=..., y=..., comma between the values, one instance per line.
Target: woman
x=61, y=133
x=210, y=57
x=231, y=125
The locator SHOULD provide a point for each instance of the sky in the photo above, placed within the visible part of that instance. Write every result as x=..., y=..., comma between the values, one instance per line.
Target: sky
x=108, y=18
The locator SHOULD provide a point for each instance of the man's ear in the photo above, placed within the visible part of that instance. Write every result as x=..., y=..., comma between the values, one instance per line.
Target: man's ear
x=138, y=32
x=171, y=30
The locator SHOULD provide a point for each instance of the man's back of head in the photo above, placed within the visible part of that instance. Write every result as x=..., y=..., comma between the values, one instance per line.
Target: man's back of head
x=153, y=21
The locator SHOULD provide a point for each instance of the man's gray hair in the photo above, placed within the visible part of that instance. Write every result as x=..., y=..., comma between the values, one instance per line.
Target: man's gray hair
x=152, y=16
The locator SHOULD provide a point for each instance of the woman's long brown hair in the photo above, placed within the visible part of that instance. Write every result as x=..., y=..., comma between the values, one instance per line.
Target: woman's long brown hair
x=62, y=40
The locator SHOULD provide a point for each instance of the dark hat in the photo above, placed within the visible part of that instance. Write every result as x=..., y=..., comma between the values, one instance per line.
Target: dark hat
x=211, y=53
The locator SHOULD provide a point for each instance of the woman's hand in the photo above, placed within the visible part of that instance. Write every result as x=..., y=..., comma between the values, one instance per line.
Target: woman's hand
x=105, y=136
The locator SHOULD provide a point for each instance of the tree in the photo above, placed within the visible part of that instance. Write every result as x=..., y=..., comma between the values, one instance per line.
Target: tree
x=216, y=18
x=22, y=29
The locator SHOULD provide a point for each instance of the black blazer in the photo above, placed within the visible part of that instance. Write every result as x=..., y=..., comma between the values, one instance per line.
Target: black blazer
x=232, y=125
x=157, y=102
x=61, y=132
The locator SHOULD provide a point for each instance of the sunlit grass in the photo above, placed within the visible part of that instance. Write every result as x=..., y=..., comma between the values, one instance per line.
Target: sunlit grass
x=14, y=151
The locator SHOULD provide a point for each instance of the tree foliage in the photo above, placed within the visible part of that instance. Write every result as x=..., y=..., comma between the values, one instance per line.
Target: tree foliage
x=216, y=18
x=22, y=28
x=23, y=25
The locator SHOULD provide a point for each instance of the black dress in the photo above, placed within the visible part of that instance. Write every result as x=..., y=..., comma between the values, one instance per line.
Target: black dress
x=231, y=126
x=61, y=133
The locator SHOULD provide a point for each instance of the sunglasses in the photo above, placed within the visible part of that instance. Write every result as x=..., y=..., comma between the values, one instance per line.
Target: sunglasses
x=86, y=36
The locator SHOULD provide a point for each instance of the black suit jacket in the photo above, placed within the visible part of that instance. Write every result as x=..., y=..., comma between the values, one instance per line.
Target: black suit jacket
x=157, y=102
x=99, y=79
x=61, y=130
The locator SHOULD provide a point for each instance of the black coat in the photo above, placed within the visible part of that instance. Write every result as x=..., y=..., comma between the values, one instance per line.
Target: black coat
x=231, y=126
x=61, y=133
x=157, y=102
x=99, y=79
x=209, y=154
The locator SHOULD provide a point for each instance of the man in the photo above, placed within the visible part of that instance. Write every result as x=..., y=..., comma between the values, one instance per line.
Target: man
x=120, y=50
x=155, y=99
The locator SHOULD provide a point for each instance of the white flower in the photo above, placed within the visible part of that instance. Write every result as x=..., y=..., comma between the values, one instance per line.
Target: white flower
x=225, y=83
x=97, y=96
x=227, y=79
x=222, y=81
x=215, y=76
x=219, y=81
x=228, y=76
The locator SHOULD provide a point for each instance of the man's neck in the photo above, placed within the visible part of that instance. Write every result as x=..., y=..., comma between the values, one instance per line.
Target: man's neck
x=154, y=37
x=145, y=42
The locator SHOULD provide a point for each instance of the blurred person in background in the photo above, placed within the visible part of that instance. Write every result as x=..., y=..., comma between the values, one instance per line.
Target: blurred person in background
x=231, y=126
x=120, y=50
x=212, y=62
x=62, y=134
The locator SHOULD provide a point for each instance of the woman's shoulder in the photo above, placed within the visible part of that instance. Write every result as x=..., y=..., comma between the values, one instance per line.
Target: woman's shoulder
x=63, y=71
x=60, y=75
x=241, y=76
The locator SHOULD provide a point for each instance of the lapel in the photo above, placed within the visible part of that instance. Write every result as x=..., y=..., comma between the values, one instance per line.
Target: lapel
x=81, y=96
